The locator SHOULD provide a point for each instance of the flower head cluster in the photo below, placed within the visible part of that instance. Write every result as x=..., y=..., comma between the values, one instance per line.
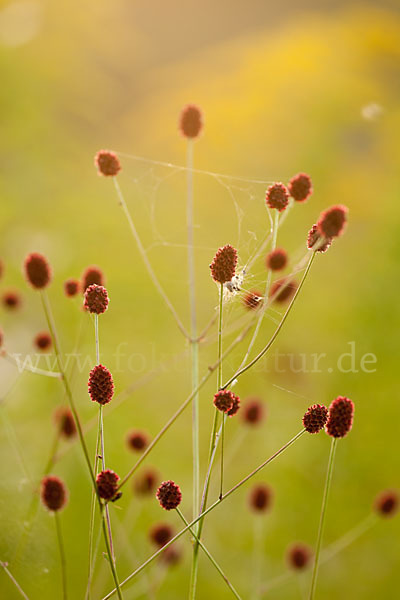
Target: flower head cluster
x=169, y=495
x=100, y=385
x=65, y=422
x=37, y=270
x=145, y=483
x=332, y=221
x=300, y=187
x=277, y=259
x=387, y=503
x=253, y=412
x=260, y=497
x=107, y=163
x=253, y=300
x=71, y=287
x=340, y=418
x=316, y=241
x=92, y=275
x=315, y=418
x=53, y=493
x=224, y=263
x=137, y=440
x=43, y=341
x=283, y=290
x=96, y=299
x=11, y=300
x=191, y=121
x=107, y=484
x=299, y=556
x=225, y=401
x=277, y=196
x=161, y=533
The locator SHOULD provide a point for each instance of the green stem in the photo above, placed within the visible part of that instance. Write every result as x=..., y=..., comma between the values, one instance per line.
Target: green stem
x=210, y=557
x=208, y=510
x=240, y=372
x=4, y=565
x=62, y=555
x=322, y=517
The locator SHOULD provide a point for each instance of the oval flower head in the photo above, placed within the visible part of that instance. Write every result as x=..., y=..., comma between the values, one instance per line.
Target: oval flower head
x=300, y=187
x=37, y=270
x=53, y=493
x=100, y=385
x=169, y=495
x=224, y=263
x=107, y=163
x=277, y=196
x=191, y=122
x=332, y=222
x=340, y=418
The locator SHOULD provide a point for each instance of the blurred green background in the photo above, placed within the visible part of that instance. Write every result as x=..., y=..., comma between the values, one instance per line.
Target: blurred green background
x=301, y=86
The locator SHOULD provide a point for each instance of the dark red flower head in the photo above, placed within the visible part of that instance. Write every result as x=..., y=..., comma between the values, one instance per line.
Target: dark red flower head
x=277, y=259
x=340, y=418
x=90, y=276
x=253, y=300
x=331, y=222
x=107, y=163
x=137, y=440
x=145, y=483
x=65, y=422
x=224, y=263
x=315, y=418
x=283, y=290
x=71, y=287
x=171, y=555
x=53, y=493
x=277, y=196
x=299, y=556
x=11, y=300
x=260, y=497
x=101, y=385
x=37, y=270
x=169, y=495
x=43, y=341
x=224, y=400
x=316, y=241
x=96, y=299
x=161, y=533
x=253, y=411
x=300, y=187
x=387, y=503
x=191, y=121
x=107, y=484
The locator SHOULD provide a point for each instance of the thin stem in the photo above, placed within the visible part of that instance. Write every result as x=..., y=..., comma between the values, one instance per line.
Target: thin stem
x=62, y=554
x=210, y=557
x=222, y=454
x=96, y=335
x=109, y=554
x=146, y=261
x=193, y=327
x=53, y=333
x=322, y=517
x=4, y=565
x=240, y=372
x=208, y=510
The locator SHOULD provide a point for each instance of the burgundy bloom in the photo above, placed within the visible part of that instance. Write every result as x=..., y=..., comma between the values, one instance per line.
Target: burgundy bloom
x=65, y=422
x=235, y=406
x=340, y=419
x=191, y=121
x=387, y=503
x=169, y=495
x=53, y=493
x=171, y=555
x=252, y=300
x=96, y=299
x=138, y=440
x=145, y=483
x=107, y=484
x=260, y=497
x=224, y=264
x=283, y=290
x=299, y=556
x=101, y=385
x=277, y=259
x=11, y=300
x=43, y=341
x=320, y=242
x=71, y=287
x=37, y=270
x=224, y=400
x=107, y=163
x=315, y=418
x=161, y=533
x=277, y=196
x=90, y=276
x=253, y=412
x=300, y=187
x=331, y=222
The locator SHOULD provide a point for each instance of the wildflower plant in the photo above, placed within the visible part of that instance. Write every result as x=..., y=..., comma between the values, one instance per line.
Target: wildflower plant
x=227, y=407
